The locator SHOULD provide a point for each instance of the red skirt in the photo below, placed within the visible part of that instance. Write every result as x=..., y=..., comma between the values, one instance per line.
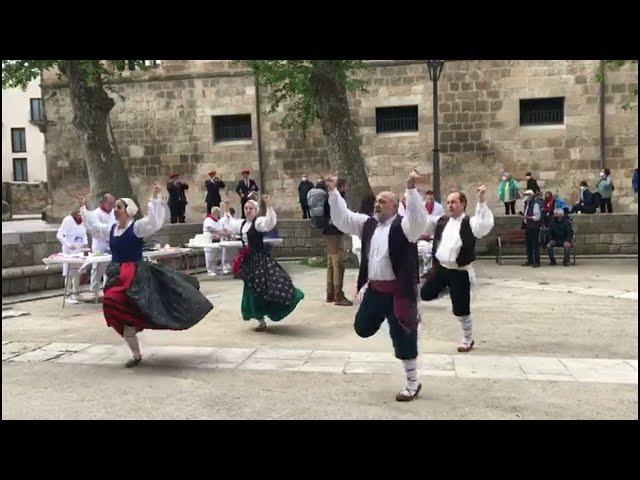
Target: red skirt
x=119, y=310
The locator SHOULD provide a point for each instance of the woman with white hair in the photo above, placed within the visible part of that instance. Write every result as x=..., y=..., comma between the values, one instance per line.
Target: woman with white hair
x=140, y=294
x=213, y=226
x=268, y=290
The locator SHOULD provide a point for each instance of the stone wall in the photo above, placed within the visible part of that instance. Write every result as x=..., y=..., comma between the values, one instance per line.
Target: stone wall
x=163, y=123
x=25, y=197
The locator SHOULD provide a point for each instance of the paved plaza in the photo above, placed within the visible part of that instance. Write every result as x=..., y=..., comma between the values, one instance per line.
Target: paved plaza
x=553, y=342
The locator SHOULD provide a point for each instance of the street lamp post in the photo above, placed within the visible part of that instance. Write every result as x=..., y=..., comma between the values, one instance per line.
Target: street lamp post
x=435, y=69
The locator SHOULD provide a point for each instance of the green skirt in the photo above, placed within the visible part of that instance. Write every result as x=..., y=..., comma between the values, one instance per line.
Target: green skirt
x=256, y=307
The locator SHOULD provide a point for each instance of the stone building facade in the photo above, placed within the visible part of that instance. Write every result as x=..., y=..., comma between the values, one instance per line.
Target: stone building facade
x=163, y=122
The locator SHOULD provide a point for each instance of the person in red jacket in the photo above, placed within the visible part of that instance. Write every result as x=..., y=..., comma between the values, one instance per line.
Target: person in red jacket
x=549, y=207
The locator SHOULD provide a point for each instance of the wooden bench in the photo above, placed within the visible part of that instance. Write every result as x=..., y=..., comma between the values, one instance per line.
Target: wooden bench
x=510, y=237
x=517, y=237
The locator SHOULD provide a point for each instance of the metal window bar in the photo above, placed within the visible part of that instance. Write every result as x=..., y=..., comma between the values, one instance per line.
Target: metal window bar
x=232, y=128
x=397, y=120
x=36, y=110
x=541, y=117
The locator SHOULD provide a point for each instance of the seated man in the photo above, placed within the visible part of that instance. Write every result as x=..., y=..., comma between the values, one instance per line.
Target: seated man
x=213, y=226
x=560, y=234
x=588, y=200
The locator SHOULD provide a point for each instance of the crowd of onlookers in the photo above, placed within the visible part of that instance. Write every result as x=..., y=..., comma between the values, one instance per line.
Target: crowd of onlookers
x=509, y=190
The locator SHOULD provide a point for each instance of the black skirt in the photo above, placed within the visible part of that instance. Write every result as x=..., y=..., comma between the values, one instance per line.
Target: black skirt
x=267, y=279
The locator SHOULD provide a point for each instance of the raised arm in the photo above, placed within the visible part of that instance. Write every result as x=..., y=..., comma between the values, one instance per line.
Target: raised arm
x=268, y=222
x=344, y=219
x=154, y=219
x=482, y=222
x=415, y=219
x=92, y=222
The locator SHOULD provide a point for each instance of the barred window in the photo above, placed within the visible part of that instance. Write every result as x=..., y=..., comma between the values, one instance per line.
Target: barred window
x=20, y=170
x=227, y=128
x=37, y=114
x=18, y=140
x=542, y=111
x=397, y=119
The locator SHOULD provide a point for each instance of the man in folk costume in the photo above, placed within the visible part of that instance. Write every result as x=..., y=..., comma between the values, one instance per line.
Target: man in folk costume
x=390, y=267
x=213, y=186
x=177, y=198
x=244, y=188
x=454, y=240
x=105, y=214
x=213, y=226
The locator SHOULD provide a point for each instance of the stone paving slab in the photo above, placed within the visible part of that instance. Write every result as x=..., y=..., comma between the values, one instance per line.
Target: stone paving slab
x=66, y=347
x=601, y=370
x=271, y=364
x=624, y=371
x=40, y=355
x=488, y=366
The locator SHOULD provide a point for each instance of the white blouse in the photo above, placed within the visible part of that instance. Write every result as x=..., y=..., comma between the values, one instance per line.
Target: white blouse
x=144, y=227
x=263, y=224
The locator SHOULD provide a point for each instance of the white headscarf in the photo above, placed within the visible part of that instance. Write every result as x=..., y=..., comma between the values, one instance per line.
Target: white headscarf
x=130, y=206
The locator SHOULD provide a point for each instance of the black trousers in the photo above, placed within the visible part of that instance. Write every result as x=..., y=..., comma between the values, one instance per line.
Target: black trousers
x=459, y=288
x=580, y=208
x=242, y=202
x=606, y=202
x=532, y=237
x=176, y=210
x=375, y=307
x=211, y=204
x=510, y=206
x=305, y=211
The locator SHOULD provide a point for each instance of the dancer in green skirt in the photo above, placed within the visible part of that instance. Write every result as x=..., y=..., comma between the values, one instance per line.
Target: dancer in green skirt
x=268, y=290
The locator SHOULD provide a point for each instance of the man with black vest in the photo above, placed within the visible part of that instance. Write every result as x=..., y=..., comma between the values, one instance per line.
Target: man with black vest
x=390, y=267
x=532, y=221
x=454, y=241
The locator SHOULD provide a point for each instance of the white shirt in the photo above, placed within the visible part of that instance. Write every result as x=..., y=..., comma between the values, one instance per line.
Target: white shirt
x=144, y=227
x=212, y=226
x=414, y=222
x=438, y=210
x=71, y=235
x=450, y=243
x=263, y=224
x=99, y=243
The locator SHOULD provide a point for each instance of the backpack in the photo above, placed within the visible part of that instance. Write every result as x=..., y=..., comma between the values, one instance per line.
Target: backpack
x=316, y=199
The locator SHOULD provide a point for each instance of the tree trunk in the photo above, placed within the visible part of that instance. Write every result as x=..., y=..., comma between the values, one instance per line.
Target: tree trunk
x=91, y=106
x=332, y=108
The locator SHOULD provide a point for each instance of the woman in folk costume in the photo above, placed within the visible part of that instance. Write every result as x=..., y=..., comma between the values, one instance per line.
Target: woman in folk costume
x=213, y=226
x=141, y=294
x=268, y=289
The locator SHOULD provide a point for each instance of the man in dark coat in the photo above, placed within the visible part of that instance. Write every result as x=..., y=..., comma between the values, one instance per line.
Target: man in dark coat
x=177, y=198
x=303, y=189
x=213, y=186
x=245, y=187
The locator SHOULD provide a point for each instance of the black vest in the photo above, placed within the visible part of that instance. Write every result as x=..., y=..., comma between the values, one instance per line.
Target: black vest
x=529, y=213
x=402, y=253
x=467, y=251
x=254, y=238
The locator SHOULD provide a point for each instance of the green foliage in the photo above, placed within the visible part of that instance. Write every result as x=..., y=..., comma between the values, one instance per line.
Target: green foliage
x=612, y=66
x=18, y=73
x=290, y=82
